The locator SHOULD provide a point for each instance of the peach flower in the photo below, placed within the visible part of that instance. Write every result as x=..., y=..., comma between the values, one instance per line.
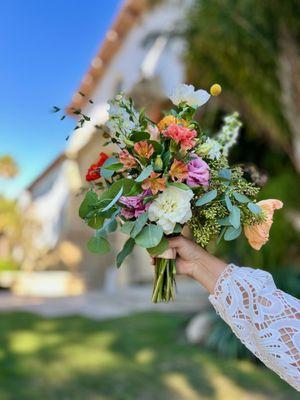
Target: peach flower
x=168, y=120
x=144, y=149
x=258, y=234
x=155, y=183
x=178, y=170
x=127, y=159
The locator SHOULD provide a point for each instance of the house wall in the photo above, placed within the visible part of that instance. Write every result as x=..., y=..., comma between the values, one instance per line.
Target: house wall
x=58, y=196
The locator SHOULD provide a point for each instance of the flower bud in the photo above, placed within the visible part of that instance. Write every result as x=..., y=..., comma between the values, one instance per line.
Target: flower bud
x=158, y=164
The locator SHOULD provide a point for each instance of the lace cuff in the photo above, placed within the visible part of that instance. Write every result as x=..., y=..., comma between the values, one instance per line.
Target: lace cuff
x=264, y=318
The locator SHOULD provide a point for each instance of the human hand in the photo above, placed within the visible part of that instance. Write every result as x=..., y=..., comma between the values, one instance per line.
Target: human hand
x=195, y=262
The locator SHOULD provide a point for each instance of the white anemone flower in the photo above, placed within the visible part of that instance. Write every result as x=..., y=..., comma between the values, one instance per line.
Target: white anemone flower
x=187, y=94
x=170, y=207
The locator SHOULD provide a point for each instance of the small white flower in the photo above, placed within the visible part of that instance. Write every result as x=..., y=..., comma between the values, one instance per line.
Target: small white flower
x=229, y=132
x=170, y=207
x=215, y=149
x=187, y=94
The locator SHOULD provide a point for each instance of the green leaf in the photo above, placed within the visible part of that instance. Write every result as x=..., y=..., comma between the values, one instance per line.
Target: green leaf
x=241, y=198
x=96, y=222
x=158, y=148
x=224, y=221
x=139, y=224
x=162, y=246
x=228, y=203
x=89, y=200
x=207, y=197
x=150, y=236
x=114, y=200
x=130, y=187
x=225, y=173
x=180, y=185
x=178, y=228
x=254, y=208
x=232, y=233
x=106, y=173
x=127, y=227
x=126, y=250
x=145, y=173
x=139, y=136
x=99, y=245
x=235, y=217
x=112, y=226
x=114, y=167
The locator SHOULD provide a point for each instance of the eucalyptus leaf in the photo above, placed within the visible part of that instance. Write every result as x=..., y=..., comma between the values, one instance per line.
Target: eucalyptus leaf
x=254, y=208
x=235, y=217
x=114, y=167
x=99, y=245
x=207, y=198
x=162, y=246
x=232, y=233
x=225, y=173
x=126, y=250
x=145, y=173
x=114, y=200
x=180, y=185
x=178, y=228
x=241, y=198
x=106, y=173
x=96, y=222
x=127, y=227
x=89, y=200
x=224, y=221
x=228, y=202
x=150, y=236
x=112, y=226
x=139, y=224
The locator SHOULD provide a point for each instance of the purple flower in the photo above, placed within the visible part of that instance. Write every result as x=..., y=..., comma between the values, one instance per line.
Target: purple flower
x=198, y=172
x=134, y=205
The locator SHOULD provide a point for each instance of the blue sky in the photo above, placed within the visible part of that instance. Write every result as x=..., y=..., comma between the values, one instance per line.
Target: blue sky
x=45, y=47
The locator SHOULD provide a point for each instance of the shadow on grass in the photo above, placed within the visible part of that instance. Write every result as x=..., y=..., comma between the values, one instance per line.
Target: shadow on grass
x=141, y=357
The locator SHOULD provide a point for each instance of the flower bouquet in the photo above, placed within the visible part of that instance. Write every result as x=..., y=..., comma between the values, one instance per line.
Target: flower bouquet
x=166, y=175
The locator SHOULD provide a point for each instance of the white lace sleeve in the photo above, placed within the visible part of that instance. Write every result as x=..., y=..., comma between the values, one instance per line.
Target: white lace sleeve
x=263, y=317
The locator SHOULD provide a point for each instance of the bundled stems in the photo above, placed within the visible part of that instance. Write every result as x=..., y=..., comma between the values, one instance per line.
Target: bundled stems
x=164, y=281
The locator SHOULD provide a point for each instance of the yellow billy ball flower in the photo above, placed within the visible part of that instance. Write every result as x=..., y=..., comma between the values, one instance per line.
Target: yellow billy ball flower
x=215, y=89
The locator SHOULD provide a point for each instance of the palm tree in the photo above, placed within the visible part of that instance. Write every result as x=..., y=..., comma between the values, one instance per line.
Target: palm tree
x=252, y=48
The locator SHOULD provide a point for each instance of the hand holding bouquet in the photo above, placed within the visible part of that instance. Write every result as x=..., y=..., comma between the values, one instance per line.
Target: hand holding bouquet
x=167, y=175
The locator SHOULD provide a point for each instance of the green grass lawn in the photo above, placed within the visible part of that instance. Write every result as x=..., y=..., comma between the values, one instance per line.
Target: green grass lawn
x=141, y=357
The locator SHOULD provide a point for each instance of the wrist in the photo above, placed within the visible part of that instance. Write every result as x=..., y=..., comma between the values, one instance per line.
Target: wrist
x=207, y=271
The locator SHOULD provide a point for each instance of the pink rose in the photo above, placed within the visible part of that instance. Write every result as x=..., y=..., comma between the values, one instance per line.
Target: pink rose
x=198, y=172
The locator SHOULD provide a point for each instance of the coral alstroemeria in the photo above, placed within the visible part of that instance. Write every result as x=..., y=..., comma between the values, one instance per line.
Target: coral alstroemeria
x=178, y=170
x=127, y=159
x=144, y=149
x=170, y=119
x=258, y=234
x=181, y=135
x=154, y=183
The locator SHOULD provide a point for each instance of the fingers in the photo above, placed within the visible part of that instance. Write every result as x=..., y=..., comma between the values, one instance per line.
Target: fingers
x=177, y=242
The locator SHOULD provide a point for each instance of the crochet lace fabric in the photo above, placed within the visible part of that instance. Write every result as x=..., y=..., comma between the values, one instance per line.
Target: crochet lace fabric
x=264, y=318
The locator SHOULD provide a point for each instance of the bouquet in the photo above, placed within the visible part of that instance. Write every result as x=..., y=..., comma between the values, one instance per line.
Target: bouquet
x=166, y=175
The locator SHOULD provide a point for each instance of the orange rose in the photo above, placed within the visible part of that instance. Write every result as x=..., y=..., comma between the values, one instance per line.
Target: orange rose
x=258, y=234
x=168, y=120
